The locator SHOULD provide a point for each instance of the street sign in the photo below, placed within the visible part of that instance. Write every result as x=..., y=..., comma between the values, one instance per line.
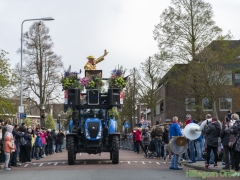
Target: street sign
x=23, y=115
x=145, y=123
x=126, y=125
x=21, y=109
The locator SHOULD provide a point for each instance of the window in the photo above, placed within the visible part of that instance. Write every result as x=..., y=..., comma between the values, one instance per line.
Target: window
x=207, y=106
x=190, y=104
x=228, y=77
x=225, y=104
x=237, y=79
x=157, y=110
x=161, y=106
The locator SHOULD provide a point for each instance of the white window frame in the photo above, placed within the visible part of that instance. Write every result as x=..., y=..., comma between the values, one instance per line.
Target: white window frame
x=229, y=77
x=203, y=106
x=187, y=109
x=220, y=104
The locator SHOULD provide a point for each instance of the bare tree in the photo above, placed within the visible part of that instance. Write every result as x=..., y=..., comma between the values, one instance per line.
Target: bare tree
x=130, y=97
x=149, y=76
x=185, y=29
x=42, y=67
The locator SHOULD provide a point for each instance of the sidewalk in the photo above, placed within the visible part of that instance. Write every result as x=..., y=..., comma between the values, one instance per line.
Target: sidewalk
x=200, y=165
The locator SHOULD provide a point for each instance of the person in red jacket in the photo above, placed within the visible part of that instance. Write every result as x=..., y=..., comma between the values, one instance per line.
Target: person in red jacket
x=138, y=137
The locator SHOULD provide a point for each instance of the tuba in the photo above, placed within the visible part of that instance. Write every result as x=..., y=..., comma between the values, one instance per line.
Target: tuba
x=193, y=131
x=178, y=145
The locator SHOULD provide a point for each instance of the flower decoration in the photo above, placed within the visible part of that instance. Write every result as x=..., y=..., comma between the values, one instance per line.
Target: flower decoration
x=113, y=112
x=117, y=78
x=70, y=80
x=92, y=82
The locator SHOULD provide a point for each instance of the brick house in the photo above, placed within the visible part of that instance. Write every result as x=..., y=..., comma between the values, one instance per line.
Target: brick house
x=175, y=101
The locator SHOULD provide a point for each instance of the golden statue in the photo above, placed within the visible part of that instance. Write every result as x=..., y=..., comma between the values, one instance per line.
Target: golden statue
x=91, y=64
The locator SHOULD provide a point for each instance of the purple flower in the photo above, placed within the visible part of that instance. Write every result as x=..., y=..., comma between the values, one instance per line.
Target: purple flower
x=84, y=81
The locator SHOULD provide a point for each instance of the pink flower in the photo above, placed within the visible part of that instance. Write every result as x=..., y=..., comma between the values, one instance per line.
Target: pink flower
x=84, y=81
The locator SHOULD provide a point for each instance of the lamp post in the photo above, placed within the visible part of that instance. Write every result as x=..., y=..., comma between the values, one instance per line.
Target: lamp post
x=58, y=121
x=42, y=115
x=43, y=19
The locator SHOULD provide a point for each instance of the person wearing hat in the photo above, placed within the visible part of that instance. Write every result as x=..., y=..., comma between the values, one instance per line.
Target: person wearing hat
x=91, y=64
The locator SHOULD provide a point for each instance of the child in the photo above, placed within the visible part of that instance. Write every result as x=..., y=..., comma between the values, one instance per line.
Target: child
x=8, y=147
x=38, y=146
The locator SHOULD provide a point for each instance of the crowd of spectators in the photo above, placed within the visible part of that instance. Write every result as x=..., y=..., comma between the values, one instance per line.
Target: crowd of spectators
x=19, y=145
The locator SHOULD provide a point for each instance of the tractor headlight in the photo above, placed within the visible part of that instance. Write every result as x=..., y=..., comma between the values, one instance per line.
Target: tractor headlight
x=99, y=134
x=87, y=135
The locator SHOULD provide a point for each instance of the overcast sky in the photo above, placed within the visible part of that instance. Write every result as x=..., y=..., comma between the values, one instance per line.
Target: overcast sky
x=87, y=27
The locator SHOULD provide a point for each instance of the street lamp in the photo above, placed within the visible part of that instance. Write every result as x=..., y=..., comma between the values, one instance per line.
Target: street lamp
x=58, y=121
x=42, y=121
x=43, y=19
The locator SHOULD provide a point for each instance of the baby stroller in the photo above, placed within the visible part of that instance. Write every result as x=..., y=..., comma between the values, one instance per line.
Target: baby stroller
x=151, y=150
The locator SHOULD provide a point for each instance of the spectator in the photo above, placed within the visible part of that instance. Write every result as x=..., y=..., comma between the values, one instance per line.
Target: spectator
x=33, y=135
x=146, y=138
x=156, y=133
x=38, y=146
x=212, y=132
x=16, y=136
x=209, y=119
x=43, y=135
x=165, y=141
x=48, y=148
x=228, y=116
x=8, y=147
x=235, y=130
x=54, y=136
x=25, y=148
x=60, y=138
x=191, y=142
x=138, y=132
x=174, y=130
x=225, y=135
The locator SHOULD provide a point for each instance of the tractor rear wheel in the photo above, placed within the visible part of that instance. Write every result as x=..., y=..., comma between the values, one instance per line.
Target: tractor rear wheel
x=115, y=150
x=71, y=153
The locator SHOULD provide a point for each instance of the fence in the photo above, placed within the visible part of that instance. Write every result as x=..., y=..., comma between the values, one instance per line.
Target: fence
x=127, y=144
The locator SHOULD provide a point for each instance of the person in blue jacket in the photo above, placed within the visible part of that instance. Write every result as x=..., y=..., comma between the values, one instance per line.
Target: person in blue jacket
x=38, y=146
x=174, y=130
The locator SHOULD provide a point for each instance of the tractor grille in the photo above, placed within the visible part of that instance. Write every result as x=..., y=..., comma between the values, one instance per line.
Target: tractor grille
x=93, y=128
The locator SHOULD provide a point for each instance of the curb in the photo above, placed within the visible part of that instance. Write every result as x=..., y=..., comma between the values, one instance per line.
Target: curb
x=203, y=168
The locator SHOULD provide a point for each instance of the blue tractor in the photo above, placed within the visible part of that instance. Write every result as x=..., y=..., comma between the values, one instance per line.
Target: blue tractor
x=92, y=130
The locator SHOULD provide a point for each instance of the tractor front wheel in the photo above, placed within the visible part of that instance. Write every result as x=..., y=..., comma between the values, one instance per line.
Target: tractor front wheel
x=71, y=153
x=115, y=150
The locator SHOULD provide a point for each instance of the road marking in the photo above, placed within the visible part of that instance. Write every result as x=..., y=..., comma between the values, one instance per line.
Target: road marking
x=41, y=164
x=26, y=165
x=34, y=163
x=49, y=163
x=135, y=161
x=55, y=163
x=143, y=162
x=84, y=162
x=157, y=163
x=128, y=162
x=120, y=161
x=150, y=162
x=63, y=162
